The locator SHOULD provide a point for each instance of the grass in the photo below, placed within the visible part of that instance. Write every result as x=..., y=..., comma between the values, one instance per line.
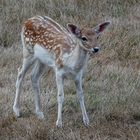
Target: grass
x=111, y=82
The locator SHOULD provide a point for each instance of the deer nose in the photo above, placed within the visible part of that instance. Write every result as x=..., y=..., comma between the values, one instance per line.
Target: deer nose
x=95, y=50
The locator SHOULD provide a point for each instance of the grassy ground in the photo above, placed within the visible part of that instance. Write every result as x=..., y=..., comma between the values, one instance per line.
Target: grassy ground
x=111, y=83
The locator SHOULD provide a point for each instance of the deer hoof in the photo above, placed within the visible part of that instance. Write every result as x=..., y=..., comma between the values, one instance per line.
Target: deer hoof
x=86, y=122
x=40, y=115
x=16, y=111
x=59, y=124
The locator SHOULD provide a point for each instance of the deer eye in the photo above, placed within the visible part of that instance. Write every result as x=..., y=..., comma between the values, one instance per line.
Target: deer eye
x=84, y=38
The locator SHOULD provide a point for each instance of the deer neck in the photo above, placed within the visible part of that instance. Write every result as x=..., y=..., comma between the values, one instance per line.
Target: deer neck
x=78, y=57
x=81, y=55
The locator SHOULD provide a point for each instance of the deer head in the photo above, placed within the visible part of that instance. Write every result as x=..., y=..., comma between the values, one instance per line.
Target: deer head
x=89, y=36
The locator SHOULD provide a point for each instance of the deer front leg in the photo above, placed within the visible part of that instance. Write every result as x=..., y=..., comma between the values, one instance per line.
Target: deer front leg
x=60, y=97
x=79, y=90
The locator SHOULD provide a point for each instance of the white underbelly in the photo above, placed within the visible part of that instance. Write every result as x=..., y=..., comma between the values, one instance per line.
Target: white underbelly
x=44, y=56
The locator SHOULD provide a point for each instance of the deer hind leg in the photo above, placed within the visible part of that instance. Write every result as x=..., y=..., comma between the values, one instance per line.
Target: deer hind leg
x=21, y=74
x=36, y=73
x=78, y=83
x=60, y=97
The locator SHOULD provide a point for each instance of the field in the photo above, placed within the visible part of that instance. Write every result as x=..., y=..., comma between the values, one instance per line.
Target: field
x=111, y=82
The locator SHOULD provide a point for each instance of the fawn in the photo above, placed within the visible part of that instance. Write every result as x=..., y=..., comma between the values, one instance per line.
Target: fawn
x=46, y=43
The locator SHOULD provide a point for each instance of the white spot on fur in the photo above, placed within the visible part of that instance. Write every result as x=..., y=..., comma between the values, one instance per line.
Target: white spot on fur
x=26, y=39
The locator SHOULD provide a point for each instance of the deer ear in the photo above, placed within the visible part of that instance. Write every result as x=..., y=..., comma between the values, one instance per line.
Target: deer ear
x=101, y=27
x=74, y=29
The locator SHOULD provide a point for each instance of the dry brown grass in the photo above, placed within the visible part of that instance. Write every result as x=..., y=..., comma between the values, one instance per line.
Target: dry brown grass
x=111, y=83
